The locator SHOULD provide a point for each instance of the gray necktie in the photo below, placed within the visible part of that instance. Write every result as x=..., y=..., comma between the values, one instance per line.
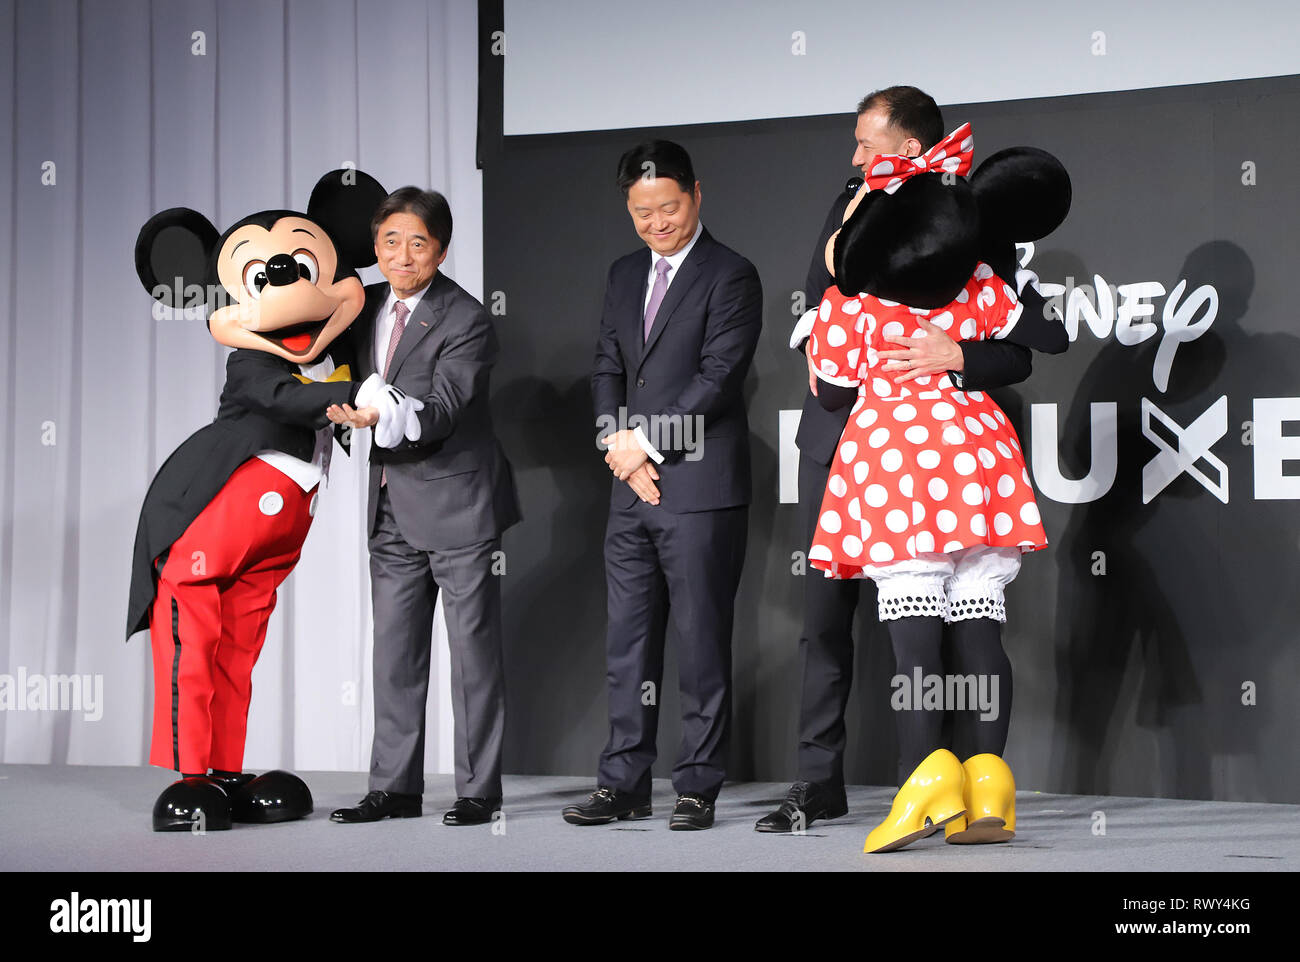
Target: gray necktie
x=657, y=294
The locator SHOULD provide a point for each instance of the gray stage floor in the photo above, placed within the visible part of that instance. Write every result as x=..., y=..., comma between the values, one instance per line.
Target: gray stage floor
x=78, y=819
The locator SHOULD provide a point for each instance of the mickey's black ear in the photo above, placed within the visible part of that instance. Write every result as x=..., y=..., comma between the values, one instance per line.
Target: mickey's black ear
x=917, y=246
x=343, y=201
x=1023, y=195
x=174, y=252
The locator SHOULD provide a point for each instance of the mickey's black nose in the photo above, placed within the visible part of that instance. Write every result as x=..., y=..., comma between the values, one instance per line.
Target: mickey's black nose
x=281, y=270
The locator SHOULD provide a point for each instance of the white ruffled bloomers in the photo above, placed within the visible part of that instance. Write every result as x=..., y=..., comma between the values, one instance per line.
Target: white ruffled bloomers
x=955, y=587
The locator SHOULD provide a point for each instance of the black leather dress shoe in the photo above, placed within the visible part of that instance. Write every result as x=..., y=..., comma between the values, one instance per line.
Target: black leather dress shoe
x=691, y=812
x=804, y=804
x=377, y=805
x=472, y=811
x=605, y=805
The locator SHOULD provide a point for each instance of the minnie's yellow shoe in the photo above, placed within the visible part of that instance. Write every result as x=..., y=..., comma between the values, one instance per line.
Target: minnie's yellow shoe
x=990, y=797
x=931, y=797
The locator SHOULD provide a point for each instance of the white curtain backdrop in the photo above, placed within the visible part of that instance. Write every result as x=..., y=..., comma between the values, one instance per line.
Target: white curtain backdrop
x=117, y=110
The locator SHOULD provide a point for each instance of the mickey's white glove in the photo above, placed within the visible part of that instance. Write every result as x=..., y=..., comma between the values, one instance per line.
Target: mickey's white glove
x=397, y=411
x=368, y=391
x=397, y=417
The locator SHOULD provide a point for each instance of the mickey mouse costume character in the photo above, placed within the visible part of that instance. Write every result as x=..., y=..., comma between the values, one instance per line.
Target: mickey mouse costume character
x=929, y=494
x=224, y=520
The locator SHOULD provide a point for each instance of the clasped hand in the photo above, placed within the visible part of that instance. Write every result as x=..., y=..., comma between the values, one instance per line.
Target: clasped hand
x=629, y=462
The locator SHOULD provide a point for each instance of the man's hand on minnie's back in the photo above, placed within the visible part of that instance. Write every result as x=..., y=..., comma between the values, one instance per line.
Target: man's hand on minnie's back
x=933, y=353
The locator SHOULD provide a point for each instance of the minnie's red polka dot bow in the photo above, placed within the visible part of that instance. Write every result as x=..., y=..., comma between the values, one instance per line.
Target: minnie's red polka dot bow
x=951, y=155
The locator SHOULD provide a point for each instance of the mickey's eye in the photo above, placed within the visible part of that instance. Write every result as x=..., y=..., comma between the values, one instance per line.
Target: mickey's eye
x=255, y=278
x=307, y=267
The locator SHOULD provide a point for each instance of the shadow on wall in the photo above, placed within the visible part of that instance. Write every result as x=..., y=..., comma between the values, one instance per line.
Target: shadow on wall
x=1144, y=625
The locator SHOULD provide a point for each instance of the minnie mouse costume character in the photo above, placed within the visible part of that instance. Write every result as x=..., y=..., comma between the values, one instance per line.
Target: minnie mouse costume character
x=929, y=494
x=224, y=520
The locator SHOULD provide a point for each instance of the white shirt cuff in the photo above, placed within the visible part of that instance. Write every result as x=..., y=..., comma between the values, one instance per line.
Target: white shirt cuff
x=646, y=446
x=803, y=329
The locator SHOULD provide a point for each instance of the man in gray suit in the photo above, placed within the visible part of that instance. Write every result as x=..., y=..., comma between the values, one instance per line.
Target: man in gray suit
x=437, y=508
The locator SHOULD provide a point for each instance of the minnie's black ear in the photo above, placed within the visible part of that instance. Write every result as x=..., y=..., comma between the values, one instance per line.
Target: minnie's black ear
x=173, y=255
x=917, y=246
x=343, y=201
x=1023, y=195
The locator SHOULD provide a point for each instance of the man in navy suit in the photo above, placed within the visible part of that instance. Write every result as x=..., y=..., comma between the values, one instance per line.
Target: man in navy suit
x=680, y=324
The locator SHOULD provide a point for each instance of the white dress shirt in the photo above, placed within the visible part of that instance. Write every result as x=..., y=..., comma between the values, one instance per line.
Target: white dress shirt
x=674, y=262
x=386, y=319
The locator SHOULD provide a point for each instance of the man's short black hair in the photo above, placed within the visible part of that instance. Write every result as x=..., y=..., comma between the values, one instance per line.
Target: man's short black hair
x=656, y=158
x=912, y=112
x=428, y=205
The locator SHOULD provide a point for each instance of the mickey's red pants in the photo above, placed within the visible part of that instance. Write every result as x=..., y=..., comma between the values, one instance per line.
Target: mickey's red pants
x=216, y=592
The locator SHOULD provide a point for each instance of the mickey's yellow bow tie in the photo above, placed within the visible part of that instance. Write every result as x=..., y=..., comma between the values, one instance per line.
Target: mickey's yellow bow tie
x=341, y=373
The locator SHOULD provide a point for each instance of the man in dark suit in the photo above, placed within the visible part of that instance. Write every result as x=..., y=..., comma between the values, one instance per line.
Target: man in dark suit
x=437, y=507
x=896, y=120
x=680, y=324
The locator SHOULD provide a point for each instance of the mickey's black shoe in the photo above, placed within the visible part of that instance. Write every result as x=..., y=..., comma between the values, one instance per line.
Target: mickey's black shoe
x=378, y=805
x=196, y=804
x=605, y=805
x=277, y=796
x=691, y=812
x=804, y=804
x=232, y=781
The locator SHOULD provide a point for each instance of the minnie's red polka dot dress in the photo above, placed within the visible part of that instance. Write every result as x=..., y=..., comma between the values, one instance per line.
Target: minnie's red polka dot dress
x=922, y=467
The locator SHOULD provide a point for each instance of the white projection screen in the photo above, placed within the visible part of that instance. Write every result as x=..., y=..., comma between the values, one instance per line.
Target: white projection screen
x=708, y=61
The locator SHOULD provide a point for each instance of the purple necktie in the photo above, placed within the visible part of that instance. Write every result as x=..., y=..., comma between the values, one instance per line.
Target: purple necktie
x=401, y=310
x=657, y=294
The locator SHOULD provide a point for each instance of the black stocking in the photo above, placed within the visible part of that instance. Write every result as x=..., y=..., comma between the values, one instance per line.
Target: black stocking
x=976, y=649
x=916, y=642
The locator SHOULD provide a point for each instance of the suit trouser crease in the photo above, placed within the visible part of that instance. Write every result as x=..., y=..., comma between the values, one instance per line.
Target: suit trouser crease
x=687, y=567
x=405, y=582
x=825, y=649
